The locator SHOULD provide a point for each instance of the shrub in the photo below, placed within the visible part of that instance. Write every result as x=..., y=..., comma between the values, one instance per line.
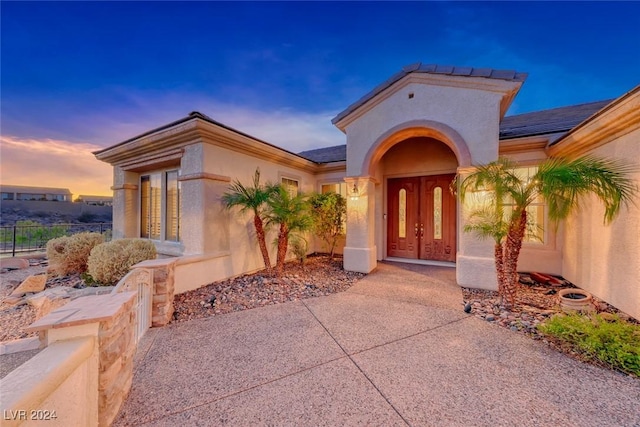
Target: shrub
x=329, y=211
x=299, y=247
x=615, y=343
x=69, y=254
x=110, y=262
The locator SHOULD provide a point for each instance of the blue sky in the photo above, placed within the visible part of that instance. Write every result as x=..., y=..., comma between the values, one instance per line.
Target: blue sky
x=84, y=75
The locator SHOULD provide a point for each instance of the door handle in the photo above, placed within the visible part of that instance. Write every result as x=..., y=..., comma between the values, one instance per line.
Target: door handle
x=421, y=230
x=416, y=230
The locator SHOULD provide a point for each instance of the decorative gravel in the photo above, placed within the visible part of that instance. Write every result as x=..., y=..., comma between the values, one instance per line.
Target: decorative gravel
x=318, y=276
x=536, y=302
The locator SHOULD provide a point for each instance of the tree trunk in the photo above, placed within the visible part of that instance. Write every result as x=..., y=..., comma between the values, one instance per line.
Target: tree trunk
x=283, y=243
x=499, y=258
x=257, y=223
x=512, y=248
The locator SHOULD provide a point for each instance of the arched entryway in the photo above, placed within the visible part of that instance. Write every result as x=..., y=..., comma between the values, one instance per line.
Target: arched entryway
x=420, y=149
x=420, y=214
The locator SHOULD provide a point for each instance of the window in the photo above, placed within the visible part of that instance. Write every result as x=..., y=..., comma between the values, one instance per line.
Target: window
x=291, y=185
x=7, y=196
x=535, y=232
x=402, y=214
x=437, y=213
x=338, y=187
x=160, y=206
x=30, y=196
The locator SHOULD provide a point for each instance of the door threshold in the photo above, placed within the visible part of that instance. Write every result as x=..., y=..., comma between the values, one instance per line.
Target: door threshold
x=421, y=262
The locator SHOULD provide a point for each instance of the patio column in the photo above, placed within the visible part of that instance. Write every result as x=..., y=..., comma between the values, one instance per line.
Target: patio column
x=360, y=249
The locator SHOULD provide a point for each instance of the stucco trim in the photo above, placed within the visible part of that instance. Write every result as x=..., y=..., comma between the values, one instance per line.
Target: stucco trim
x=204, y=175
x=124, y=187
x=523, y=145
x=154, y=160
x=415, y=128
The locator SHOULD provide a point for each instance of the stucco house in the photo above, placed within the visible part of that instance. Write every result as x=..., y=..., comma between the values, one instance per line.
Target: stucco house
x=22, y=192
x=405, y=141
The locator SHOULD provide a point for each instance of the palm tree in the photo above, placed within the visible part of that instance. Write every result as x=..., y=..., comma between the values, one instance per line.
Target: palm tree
x=560, y=182
x=291, y=214
x=254, y=199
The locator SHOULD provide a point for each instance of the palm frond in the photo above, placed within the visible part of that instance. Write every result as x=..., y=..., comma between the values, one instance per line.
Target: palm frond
x=251, y=198
x=487, y=222
x=563, y=182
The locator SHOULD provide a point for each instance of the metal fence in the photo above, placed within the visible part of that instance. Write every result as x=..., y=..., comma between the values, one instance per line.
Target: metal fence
x=22, y=238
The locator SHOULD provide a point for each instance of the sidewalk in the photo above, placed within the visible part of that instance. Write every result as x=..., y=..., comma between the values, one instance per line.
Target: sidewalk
x=396, y=349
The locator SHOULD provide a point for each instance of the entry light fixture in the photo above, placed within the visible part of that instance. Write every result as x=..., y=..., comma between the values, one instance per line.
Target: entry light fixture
x=355, y=193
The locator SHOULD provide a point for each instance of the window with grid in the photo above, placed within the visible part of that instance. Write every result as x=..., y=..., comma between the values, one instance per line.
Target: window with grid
x=160, y=206
x=291, y=185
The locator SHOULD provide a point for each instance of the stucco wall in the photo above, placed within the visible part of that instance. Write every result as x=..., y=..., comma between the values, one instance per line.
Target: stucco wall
x=605, y=259
x=232, y=231
x=473, y=114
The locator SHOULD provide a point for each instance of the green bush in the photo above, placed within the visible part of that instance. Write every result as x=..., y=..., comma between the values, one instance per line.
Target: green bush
x=329, y=211
x=69, y=254
x=615, y=343
x=110, y=262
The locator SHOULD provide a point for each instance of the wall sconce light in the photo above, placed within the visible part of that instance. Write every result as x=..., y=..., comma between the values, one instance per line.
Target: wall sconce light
x=355, y=194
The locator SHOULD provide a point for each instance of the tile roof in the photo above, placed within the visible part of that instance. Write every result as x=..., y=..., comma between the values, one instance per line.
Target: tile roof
x=560, y=119
x=337, y=153
x=419, y=67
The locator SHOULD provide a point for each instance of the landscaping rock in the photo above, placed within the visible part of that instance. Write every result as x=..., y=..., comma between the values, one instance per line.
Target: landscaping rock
x=318, y=276
x=30, y=284
x=14, y=263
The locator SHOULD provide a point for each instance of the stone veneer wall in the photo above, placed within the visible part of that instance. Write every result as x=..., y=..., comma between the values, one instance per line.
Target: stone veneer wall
x=163, y=288
x=111, y=319
x=116, y=346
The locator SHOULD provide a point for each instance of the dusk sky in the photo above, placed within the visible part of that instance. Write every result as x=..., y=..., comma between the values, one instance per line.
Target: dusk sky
x=79, y=76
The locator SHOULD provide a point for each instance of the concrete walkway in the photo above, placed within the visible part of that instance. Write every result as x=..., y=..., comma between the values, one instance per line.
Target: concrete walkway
x=396, y=349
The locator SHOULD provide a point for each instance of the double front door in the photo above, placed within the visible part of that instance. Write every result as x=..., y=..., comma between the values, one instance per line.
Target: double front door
x=421, y=218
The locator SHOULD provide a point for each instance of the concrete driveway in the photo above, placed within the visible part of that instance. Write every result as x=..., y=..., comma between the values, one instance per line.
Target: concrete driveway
x=396, y=349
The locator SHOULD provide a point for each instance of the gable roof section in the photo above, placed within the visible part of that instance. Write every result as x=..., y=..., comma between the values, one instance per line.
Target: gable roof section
x=419, y=68
x=554, y=120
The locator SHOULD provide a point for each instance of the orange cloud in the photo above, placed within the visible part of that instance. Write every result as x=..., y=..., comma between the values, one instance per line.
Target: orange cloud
x=54, y=163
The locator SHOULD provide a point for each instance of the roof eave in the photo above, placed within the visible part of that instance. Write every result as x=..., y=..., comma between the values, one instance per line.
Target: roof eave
x=619, y=117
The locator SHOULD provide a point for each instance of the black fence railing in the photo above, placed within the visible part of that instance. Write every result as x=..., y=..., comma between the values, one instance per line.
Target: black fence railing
x=30, y=238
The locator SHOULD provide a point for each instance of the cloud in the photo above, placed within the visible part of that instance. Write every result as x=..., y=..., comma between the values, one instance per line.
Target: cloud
x=292, y=130
x=54, y=163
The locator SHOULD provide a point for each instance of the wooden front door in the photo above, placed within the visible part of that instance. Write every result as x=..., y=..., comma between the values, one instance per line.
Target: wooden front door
x=421, y=218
